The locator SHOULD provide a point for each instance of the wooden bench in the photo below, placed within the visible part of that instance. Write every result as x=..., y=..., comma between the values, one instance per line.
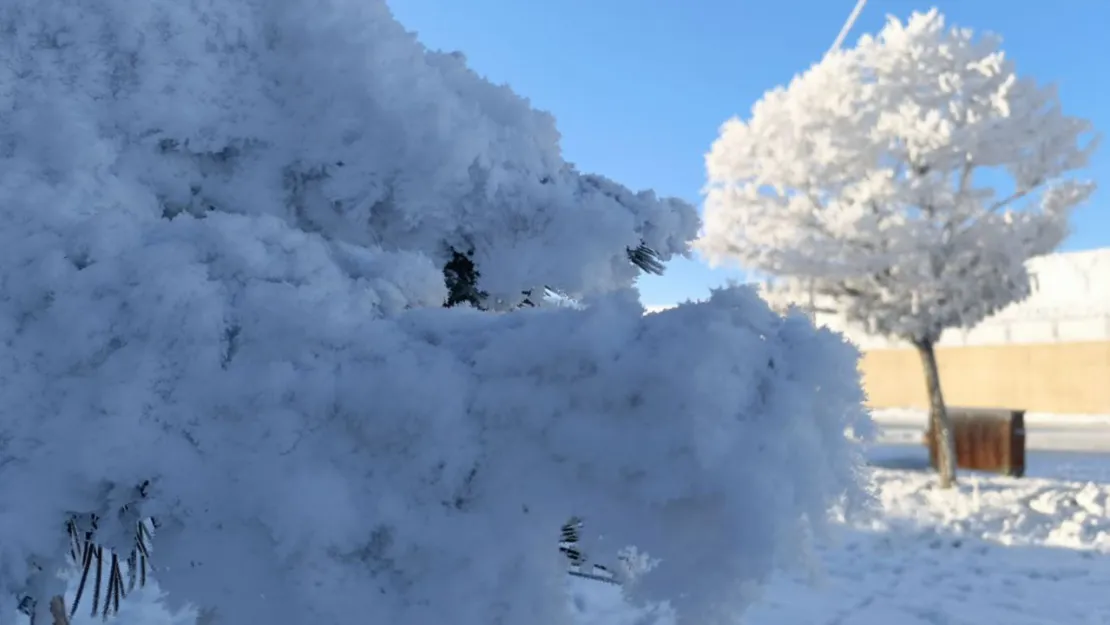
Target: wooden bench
x=987, y=439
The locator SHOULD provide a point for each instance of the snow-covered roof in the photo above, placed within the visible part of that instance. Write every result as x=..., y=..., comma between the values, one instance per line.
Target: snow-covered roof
x=1066, y=284
x=1070, y=302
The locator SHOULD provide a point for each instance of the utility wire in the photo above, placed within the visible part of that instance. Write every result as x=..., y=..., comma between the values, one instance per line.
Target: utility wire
x=847, y=26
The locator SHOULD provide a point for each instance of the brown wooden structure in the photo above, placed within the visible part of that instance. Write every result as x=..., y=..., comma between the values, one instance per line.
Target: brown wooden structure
x=987, y=439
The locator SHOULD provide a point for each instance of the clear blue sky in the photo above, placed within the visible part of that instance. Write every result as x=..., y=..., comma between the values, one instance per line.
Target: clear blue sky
x=639, y=87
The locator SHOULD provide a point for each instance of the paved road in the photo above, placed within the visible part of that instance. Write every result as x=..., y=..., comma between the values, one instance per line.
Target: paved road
x=1077, y=465
x=1090, y=438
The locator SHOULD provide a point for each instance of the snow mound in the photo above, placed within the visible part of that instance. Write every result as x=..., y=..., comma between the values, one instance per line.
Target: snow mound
x=1070, y=515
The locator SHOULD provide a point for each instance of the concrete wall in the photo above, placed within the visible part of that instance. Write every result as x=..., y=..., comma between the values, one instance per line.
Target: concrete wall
x=1065, y=377
x=1049, y=353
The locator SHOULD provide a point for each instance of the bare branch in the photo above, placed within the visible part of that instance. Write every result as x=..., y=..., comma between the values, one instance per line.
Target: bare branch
x=1017, y=195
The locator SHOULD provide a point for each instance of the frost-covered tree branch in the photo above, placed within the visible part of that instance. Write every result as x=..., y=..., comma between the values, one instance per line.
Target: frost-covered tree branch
x=227, y=233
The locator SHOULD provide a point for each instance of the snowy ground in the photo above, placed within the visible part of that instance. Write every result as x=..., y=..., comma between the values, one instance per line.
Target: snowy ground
x=996, y=550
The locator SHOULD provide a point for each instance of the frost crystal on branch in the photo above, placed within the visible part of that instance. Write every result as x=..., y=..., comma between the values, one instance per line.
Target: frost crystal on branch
x=227, y=233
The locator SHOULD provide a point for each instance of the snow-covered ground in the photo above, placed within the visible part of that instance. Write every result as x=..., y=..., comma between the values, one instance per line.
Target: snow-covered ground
x=995, y=550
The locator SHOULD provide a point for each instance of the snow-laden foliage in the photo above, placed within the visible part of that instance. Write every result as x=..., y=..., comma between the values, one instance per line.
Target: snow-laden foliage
x=223, y=233
x=338, y=117
x=902, y=183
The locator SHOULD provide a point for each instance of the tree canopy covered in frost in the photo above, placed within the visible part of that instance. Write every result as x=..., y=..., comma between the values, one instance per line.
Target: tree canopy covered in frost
x=224, y=229
x=902, y=183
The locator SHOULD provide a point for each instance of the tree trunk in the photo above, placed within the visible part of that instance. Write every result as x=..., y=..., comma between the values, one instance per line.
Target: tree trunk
x=939, y=423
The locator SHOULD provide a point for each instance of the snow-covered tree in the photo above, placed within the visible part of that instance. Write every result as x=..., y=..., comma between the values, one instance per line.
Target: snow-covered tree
x=901, y=184
x=228, y=230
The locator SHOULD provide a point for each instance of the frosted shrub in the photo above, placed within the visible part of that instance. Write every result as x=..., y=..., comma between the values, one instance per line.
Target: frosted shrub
x=225, y=237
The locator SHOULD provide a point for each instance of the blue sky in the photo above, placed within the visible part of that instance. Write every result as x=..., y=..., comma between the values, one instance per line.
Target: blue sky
x=639, y=87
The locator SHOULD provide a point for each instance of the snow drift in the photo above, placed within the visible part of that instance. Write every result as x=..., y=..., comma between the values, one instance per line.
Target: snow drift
x=223, y=227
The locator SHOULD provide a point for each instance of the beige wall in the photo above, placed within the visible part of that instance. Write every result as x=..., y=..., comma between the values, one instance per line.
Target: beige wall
x=1047, y=377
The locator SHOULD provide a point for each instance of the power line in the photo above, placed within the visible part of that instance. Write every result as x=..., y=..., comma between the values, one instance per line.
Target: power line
x=847, y=26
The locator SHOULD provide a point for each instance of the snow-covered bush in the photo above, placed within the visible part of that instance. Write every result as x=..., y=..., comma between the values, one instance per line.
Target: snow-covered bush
x=901, y=184
x=225, y=229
